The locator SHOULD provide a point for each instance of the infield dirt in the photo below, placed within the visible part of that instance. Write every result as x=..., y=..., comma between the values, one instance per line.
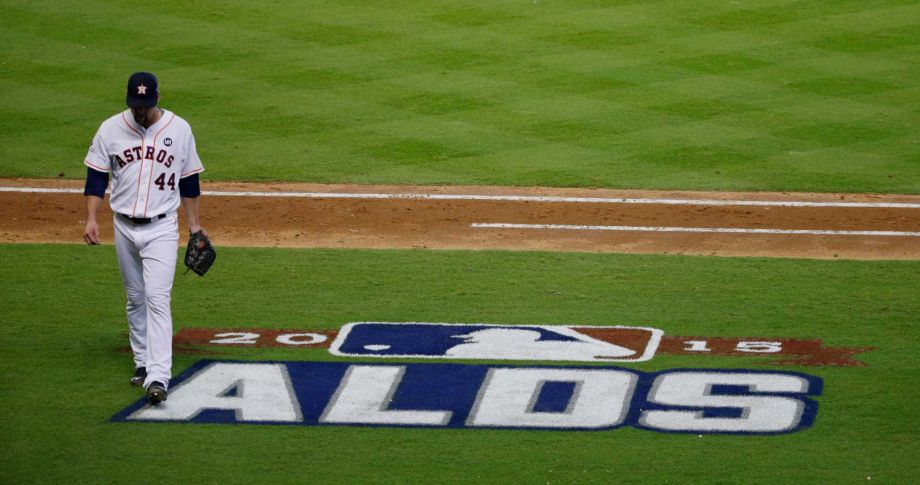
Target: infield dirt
x=417, y=222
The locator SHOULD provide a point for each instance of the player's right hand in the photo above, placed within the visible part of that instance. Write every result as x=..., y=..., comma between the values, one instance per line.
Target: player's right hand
x=91, y=233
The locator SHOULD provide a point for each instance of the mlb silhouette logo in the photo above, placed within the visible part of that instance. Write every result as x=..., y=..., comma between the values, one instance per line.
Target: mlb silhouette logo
x=497, y=342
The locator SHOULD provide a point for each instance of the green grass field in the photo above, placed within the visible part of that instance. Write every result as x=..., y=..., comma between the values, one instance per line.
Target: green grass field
x=816, y=95
x=62, y=376
x=757, y=95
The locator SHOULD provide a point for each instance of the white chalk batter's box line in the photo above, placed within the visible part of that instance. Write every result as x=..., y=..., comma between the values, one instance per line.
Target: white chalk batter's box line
x=515, y=198
x=730, y=230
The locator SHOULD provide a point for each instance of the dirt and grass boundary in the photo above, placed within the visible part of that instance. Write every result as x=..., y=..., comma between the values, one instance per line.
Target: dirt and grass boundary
x=802, y=225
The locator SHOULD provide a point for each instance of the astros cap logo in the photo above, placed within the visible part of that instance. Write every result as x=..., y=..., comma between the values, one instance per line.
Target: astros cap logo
x=143, y=90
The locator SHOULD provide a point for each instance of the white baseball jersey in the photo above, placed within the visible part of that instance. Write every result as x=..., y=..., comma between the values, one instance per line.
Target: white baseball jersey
x=146, y=163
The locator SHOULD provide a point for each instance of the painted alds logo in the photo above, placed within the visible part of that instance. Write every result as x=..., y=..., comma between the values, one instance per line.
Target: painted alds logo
x=476, y=396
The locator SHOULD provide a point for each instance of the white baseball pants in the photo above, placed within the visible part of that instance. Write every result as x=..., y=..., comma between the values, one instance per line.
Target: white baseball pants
x=147, y=260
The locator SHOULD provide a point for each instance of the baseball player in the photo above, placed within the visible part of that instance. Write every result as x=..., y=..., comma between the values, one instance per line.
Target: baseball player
x=150, y=153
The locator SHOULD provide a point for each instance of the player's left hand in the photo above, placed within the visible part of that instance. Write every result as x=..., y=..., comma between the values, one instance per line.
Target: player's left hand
x=203, y=232
x=200, y=254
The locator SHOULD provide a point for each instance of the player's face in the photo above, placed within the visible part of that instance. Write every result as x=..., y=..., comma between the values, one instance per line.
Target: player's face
x=144, y=116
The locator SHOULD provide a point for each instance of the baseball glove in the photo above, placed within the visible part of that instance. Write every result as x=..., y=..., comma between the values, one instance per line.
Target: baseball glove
x=200, y=254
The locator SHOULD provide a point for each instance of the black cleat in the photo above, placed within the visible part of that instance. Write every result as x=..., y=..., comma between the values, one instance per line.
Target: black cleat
x=139, y=375
x=156, y=392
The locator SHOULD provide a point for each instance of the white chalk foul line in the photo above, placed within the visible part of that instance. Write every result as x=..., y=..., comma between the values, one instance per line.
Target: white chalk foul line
x=39, y=190
x=737, y=230
x=515, y=198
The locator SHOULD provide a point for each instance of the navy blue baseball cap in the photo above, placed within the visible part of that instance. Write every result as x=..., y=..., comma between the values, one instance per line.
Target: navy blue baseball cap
x=143, y=90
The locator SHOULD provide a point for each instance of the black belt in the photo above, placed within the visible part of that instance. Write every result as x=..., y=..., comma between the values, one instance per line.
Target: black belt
x=142, y=220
